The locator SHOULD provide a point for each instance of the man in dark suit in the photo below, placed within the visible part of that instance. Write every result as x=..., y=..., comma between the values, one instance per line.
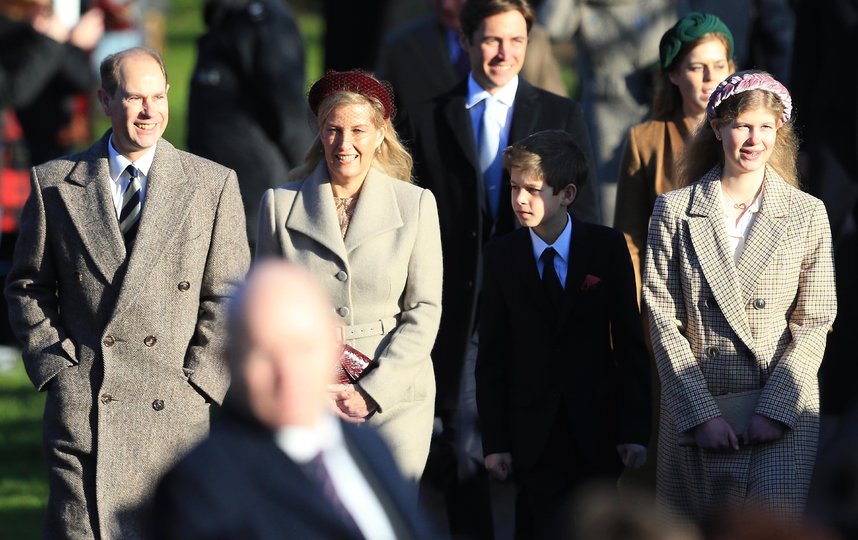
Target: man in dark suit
x=280, y=464
x=127, y=255
x=562, y=372
x=457, y=151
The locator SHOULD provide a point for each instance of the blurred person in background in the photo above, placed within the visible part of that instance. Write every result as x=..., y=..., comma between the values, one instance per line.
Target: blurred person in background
x=247, y=108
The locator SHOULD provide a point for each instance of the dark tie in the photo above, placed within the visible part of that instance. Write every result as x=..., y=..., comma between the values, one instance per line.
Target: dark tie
x=550, y=280
x=129, y=217
x=318, y=473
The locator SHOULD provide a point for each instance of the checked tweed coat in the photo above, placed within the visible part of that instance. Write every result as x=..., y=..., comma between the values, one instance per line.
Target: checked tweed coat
x=719, y=328
x=127, y=350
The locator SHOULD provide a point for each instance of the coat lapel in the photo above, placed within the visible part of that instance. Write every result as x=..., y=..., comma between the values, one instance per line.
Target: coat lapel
x=580, y=251
x=315, y=215
x=90, y=206
x=459, y=120
x=169, y=192
x=769, y=225
x=377, y=210
x=528, y=274
x=709, y=238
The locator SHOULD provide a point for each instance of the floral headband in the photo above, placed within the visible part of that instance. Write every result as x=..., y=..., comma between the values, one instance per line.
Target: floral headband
x=749, y=80
x=357, y=81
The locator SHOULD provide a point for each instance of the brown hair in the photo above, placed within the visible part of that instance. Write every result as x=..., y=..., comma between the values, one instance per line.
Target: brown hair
x=392, y=157
x=668, y=99
x=474, y=12
x=705, y=151
x=109, y=68
x=553, y=156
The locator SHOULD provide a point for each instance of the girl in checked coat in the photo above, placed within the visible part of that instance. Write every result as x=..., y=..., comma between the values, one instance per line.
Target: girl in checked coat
x=353, y=219
x=739, y=284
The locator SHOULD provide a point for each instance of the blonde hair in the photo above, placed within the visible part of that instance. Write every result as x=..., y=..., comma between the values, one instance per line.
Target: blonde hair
x=705, y=151
x=392, y=158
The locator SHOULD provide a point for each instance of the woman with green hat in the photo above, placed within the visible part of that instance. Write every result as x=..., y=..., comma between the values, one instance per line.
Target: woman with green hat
x=694, y=56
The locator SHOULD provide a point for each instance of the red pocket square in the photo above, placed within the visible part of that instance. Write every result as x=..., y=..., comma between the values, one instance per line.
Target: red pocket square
x=590, y=281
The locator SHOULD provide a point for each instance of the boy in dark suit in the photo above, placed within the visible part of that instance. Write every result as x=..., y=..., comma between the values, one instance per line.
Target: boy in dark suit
x=562, y=370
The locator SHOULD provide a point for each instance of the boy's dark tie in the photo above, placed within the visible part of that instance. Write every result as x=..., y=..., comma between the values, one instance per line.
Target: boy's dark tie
x=318, y=473
x=129, y=217
x=549, y=278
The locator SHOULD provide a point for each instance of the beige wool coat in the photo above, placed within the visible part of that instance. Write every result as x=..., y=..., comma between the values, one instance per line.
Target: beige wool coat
x=388, y=269
x=718, y=327
x=129, y=351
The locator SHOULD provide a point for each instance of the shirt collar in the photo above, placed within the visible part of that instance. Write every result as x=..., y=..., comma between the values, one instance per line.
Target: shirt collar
x=118, y=163
x=303, y=443
x=477, y=93
x=561, y=245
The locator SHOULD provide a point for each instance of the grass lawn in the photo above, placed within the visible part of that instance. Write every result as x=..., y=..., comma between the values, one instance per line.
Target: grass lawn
x=23, y=477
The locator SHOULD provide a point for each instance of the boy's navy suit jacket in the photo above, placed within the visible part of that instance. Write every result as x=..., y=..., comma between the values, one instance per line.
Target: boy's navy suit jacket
x=589, y=360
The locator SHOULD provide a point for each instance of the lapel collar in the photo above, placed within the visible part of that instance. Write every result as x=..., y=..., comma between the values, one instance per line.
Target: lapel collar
x=580, y=252
x=459, y=120
x=525, y=111
x=169, y=192
x=522, y=259
x=769, y=225
x=314, y=214
x=377, y=210
x=709, y=238
x=90, y=206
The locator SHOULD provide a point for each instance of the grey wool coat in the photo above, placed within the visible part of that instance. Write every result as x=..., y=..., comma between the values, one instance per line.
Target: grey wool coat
x=388, y=269
x=718, y=327
x=129, y=351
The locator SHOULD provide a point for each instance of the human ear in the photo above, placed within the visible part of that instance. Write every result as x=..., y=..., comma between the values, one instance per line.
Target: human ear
x=104, y=100
x=568, y=194
x=714, y=125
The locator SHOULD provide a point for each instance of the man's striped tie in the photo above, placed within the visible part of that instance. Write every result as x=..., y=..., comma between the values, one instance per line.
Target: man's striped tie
x=129, y=217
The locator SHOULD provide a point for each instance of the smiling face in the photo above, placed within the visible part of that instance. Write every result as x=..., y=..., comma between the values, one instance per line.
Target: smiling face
x=747, y=141
x=497, y=49
x=350, y=138
x=699, y=73
x=138, y=108
x=537, y=206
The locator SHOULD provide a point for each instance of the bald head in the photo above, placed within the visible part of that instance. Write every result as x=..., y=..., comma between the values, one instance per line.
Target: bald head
x=284, y=347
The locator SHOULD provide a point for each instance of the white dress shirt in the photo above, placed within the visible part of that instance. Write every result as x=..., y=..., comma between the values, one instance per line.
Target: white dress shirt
x=119, y=179
x=561, y=246
x=302, y=444
x=737, y=231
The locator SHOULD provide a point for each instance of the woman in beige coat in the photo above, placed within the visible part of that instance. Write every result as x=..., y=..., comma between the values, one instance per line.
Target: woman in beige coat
x=352, y=217
x=694, y=56
x=739, y=285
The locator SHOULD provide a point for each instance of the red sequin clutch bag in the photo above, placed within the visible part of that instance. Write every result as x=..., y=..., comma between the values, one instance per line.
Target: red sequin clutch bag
x=353, y=365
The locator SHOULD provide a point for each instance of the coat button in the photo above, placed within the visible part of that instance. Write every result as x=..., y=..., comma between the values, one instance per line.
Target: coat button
x=106, y=398
x=108, y=341
x=158, y=404
x=712, y=352
x=343, y=311
x=78, y=277
x=150, y=341
x=710, y=302
x=184, y=286
x=342, y=276
x=760, y=303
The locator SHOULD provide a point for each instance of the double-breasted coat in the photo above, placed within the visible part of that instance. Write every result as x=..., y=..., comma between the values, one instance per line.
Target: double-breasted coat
x=719, y=327
x=386, y=272
x=128, y=349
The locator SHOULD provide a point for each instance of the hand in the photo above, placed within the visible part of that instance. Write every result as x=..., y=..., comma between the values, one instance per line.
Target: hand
x=499, y=465
x=716, y=434
x=763, y=429
x=633, y=455
x=88, y=31
x=352, y=403
x=50, y=25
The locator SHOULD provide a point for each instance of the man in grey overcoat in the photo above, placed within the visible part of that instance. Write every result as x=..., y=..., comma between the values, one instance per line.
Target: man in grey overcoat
x=127, y=255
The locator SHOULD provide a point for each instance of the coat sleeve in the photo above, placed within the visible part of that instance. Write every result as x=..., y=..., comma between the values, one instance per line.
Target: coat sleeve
x=226, y=266
x=631, y=216
x=411, y=342
x=684, y=389
x=31, y=292
x=494, y=359
x=809, y=324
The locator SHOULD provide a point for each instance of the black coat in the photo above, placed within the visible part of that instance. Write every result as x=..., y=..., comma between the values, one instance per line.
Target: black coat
x=238, y=484
x=247, y=108
x=589, y=361
x=440, y=136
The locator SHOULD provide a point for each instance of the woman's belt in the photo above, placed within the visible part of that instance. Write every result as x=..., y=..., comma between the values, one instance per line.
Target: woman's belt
x=377, y=328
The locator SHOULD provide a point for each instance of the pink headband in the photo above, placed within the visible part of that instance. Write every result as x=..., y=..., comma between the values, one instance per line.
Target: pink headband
x=749, y=80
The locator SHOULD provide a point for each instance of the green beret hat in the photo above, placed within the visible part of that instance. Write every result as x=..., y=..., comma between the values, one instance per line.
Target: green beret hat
x=686, y=30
